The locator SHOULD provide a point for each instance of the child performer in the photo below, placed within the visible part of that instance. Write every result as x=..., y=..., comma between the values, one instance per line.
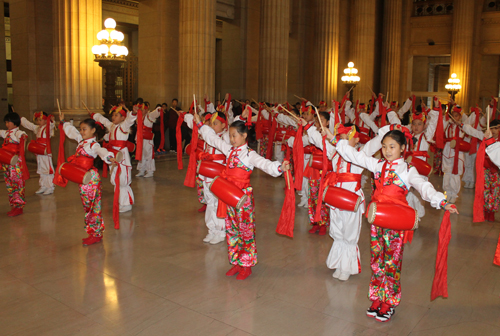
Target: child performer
x=393, y=178
x=146, y=166
x=240, y=223
x=88, y=149
x=119, y=128
x=45, y=167
x=345, y=226
x=15, y=175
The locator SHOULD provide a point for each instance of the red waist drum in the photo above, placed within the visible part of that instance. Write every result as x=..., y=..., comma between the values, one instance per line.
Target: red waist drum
x=423, y=167
x=37, y=148
x=341, y=198
x=228, y=193
x=316, y=162
x=74, y=173
x=7, y=157
x=463, y=146
x=210, y=169
x=392, y=216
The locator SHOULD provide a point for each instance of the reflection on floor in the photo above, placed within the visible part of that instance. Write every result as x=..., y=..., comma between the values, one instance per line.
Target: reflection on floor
x=154, y=276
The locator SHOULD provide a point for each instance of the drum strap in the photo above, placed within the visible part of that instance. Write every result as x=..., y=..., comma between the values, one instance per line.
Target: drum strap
x=118, y=143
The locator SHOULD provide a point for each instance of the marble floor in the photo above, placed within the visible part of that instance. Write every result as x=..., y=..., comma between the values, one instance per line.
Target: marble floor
x=155, y=276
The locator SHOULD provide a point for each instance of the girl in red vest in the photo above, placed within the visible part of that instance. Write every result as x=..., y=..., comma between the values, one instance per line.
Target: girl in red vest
x=88, y=149
x=393, y=179
x=14, y=175
x=240, y=223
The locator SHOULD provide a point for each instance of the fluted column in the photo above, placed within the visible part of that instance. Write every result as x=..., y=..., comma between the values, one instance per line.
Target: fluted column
x=77, y=77
x=326, y=49
x=273, y=69
x=362, y=47
x=196, y=50
x=461, y=47
x=391, y=48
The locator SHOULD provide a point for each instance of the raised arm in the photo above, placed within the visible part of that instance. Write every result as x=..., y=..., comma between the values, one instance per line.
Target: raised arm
x=316, y=139
x=350, y=154
x=128, y=122
x=272, y=168
x=406, y=106
x=425, y=188
x=72, y=132
x=374, y=145
x=369, y=122
x=208, y=134
x=28, y=125
x=493, y=151
x=393, y=118
x=469, y=130
x=103, y=120
x=430, y=130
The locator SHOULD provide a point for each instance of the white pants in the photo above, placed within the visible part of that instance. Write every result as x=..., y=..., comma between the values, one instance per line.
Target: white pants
x=415, y=203
x=216, y=226
x=470, y=168
x=45, y=169
x=304, y=193
x=126, y=193
x=345, y=227
x=278, y=153
x=451, y=182
x=147, y=162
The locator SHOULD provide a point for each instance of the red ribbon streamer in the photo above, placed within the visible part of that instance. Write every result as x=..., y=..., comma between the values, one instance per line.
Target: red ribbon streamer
x=440, y=282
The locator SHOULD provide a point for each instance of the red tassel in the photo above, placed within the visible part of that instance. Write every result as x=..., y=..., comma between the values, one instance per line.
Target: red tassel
x=24, y=167
x=178, y=136
x=228, y=103
x=249, y=117
x=58, y=179
x=162, y=128
x=440, y=282
x=440, y=128
x=140, y=125
x=496, y=259
x=317, y=215
x=343, y=109
x=47, y=135
x=116, y=198
x=258, y=126
x=337, y=117
x=383, y=112
x=286, y=222
x=356, y=113
x=190, y=180
x=473, y=141
x=298, y=157
x=478, y=208
x=413, y=104
x=270, y=144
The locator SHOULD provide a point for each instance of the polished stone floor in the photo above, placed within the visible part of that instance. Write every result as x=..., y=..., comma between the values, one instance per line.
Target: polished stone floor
x=154, y=276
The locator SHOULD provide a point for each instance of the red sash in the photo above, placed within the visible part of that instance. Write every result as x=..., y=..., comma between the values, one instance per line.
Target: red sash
x=118, y=143
x=82, y=161
x=241, y=178
x=147, y=133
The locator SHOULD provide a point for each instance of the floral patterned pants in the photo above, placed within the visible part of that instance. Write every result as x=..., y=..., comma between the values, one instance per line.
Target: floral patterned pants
x=91, y=199
x=263, y=145
x=240, y=233
x=199, y=189
x=386, y=259
x=15, y=184
x=313, y=202
x=438, y=159
x=491, y=190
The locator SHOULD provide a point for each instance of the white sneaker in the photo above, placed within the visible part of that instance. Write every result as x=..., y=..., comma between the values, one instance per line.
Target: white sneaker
x=336, y=274
x=302, y=202
x=208, y=238
x=141, y=174
x=48, y=191
x=344, y=276
x=149, y=174
x=452, y=200
x=217, y=240
x=125, y=208
x=41, y=190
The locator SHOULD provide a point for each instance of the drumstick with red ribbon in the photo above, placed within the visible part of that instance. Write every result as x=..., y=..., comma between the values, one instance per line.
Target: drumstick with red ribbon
x=293, y=115
x=319, y=119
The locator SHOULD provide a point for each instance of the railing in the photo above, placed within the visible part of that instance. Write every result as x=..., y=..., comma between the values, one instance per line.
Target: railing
x=432, y=7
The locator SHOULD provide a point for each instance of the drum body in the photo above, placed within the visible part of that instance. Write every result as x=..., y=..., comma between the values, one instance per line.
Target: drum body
x=228, y=193
x=209, y=169
x=423, y=167
x=187, y=148
x=37, y=148
x=74, y=173
x=341, y=198
x=392, y=216
x=316, y=162
x=463, y=146
x=363, y=138
x=7, y=157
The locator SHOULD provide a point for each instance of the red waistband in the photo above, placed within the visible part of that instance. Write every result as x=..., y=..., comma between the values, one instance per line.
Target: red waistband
x=82, y=161
x=420, y=153
x=240, y=177
x=147, y=133
x=118, y=143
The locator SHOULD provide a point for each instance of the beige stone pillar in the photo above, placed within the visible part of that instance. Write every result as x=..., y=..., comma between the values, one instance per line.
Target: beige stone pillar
x=391, y=48
x=77, y=77
x=461, y=47
x=326, y=50
x=197, y=50
x=274, y=31
x=362, y=46
x=158, y=50
x=344, y=39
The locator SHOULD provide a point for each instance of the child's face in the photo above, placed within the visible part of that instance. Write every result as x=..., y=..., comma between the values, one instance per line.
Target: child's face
x=308, y=116
x=236, y=138
x=457, y=116
x=352, y=142
x=495, y=131
x=117, y=118
x=391, y=149
x=218, y=126
x=10, y=125
x=417, y=126
x=323, y=122
x=86, y=131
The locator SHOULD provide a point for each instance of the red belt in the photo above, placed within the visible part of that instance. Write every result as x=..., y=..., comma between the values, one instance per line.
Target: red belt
x=147, y=133
x=420, y=153
x=350, y=177
x=118, y=143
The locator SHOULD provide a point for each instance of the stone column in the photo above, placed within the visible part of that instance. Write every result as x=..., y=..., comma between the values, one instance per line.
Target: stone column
x=391, y=48
x=77, y=77
x=362, y=46
x=197, y=50
x=326, y=50
x=461, y=47
x=273, y=69
x=344, y=40
x=158, y=50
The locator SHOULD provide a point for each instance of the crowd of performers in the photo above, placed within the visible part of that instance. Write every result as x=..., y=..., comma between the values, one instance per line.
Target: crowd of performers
x=323, y=154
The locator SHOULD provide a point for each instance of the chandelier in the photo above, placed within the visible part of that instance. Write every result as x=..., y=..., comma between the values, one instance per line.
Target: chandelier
x=110, y=47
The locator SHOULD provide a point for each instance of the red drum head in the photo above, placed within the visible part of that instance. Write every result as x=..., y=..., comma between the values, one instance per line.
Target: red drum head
x=210, y=169
x=228, y=193
x=37, y=148
x=8, y=158
x=423, y=167
x=363, y=138
x=307, y=150
x=341, y=198
x=74, y=173
x=392, y=216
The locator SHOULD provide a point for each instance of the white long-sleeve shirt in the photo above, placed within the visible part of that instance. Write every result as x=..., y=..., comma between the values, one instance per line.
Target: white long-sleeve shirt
x=90, y=146
x=117, y=131
x=38, y=130
x=14, y=134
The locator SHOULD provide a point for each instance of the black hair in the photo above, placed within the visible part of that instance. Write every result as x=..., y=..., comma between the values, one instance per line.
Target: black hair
x=164, y=104
x=146, y=103
x=99, y=130
x=175, y=99
x=204, y=115
x=494, y=123
x=140, y=101
x=45, y=113
x=221, y=114
x=350, y=125
x=13, y=117
x=325, y=115
x=240, y=127
x=158, y=105
x=397, y=136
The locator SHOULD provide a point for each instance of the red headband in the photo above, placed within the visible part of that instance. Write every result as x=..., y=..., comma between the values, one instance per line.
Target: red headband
x=457, y=109
x=208, y=116
x=322, y=103
x=119, y=110
x=40, y=115
x=349, y=130
x=417, y=116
